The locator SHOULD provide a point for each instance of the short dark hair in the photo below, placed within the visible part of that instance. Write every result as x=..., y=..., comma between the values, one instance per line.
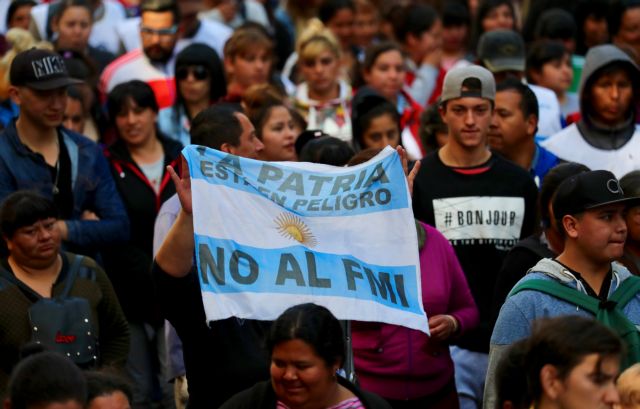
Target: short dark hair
x=161, y=6
x=542, y=52
x=46, y=377
x=564, y=342
x=556, y=24
x=217, y=125
x=138, y=91
x=414, y=19
x=24, y=208
x=528, y=101
x=484, y=8
x=430, y=124
x=313, y=324
x=550, y=184
x=327, y=150
x=64, y=5
x=455, y=14
x=105, y=383
x=329, y=8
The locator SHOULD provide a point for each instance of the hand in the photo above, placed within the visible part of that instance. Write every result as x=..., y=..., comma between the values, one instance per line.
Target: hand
x=89, y=215
x=442, y=327
x=183, y=185
x=411, y=176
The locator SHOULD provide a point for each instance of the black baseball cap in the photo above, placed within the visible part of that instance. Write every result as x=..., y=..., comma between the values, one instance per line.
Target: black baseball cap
x=41, y=70
x=588, y=190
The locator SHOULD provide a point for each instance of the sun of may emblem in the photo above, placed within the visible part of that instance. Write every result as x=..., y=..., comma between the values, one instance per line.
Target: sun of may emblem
x=292, y=227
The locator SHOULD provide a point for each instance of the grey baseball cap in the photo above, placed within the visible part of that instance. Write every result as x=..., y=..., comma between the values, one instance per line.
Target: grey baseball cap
x=502, y=50
x=469, y=81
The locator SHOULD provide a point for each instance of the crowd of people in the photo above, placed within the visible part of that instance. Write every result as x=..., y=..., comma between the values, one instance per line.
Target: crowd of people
x=517, y=121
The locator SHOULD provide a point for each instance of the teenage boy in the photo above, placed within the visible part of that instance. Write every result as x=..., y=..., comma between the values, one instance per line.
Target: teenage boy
x=590, y=209
x=606, y=136
x=37, y=153
x=482, y=203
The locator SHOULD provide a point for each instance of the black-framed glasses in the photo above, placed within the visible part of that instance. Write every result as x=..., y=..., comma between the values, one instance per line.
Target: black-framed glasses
x=160, y=31
x=199, y=72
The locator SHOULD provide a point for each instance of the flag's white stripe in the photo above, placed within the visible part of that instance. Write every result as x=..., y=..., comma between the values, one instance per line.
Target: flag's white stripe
x=270, y=306
x=250, y=220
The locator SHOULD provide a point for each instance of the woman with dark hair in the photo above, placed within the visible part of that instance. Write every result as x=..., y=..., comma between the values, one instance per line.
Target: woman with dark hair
x=33, y=268
x=19, y=14
x=375, y=121
x=307, y=349
x=276, y=124
x=384, y=71
x=71, y=24
x=139, y=159
x=200, y=82
x=572, y=362
x=493, y=15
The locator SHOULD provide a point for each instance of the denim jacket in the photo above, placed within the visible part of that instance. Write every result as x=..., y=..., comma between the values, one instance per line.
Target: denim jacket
x=91, y=181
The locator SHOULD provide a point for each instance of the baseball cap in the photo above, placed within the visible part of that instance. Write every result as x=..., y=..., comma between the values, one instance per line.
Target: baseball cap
x=41, y=70
x=502, y=50
x=588, y=190
x=454, y=83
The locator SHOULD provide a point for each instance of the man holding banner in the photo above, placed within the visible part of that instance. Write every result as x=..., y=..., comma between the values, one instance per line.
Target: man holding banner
x=339, y=237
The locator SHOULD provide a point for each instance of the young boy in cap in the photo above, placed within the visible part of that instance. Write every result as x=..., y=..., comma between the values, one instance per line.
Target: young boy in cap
x=37, y=153
x=583, y=279
x=483, y=205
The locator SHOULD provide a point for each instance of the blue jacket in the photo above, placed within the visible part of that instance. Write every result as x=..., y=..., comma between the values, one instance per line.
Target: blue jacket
x=93, y=186
x=520, y=310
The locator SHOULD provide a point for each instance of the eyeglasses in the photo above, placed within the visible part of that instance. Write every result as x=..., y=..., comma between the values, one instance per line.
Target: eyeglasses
x=199, y=72
x=148, y=31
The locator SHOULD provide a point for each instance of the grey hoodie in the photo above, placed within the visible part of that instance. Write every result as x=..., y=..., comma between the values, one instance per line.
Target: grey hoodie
x=599, y=135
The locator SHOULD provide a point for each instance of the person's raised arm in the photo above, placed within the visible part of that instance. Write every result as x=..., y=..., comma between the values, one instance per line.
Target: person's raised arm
x=176, y=253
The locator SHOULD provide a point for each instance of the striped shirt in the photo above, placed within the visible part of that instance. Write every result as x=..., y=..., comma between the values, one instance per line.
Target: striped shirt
x=351, y=403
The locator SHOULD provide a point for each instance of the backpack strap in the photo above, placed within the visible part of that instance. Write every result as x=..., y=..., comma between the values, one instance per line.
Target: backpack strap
x=626, y=291
x=559, y=291
x=71, y=277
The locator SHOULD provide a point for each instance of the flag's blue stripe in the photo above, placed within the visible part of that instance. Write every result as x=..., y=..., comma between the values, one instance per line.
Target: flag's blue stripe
x=342, y=193
x=328, y=266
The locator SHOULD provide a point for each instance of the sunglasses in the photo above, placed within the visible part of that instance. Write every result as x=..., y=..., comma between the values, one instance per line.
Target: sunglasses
x=162, y=32
x=199, y=72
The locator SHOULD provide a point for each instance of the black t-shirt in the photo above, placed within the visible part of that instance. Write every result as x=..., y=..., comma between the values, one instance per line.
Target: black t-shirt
x=61, y=180
x=483, y=212
x=222, y=358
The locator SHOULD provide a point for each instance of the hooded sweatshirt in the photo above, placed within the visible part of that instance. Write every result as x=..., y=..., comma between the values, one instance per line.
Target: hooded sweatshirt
x=596, y=145
x=520, y=310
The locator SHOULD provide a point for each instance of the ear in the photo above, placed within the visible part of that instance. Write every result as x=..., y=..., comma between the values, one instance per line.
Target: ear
x=552, y=386
x=14, y=94
x=442, y=110
x=570, y=224
x=411, y=40
x=531, y=125
x=227, y=148
x=366, y=75
x=55, y=24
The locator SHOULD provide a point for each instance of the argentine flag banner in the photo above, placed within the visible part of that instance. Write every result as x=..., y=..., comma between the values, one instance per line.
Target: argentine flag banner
x=270, y=235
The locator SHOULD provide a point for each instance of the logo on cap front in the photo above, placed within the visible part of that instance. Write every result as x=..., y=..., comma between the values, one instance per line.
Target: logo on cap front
x=613, y=186
x=47, y=66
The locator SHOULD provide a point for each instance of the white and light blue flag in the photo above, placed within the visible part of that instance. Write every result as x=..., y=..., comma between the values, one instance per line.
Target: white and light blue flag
x=270, y=235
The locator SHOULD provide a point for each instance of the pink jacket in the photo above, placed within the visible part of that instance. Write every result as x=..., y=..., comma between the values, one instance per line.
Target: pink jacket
x=401, y=363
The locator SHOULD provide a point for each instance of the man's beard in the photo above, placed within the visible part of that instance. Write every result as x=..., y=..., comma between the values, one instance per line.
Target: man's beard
x=155, y=53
